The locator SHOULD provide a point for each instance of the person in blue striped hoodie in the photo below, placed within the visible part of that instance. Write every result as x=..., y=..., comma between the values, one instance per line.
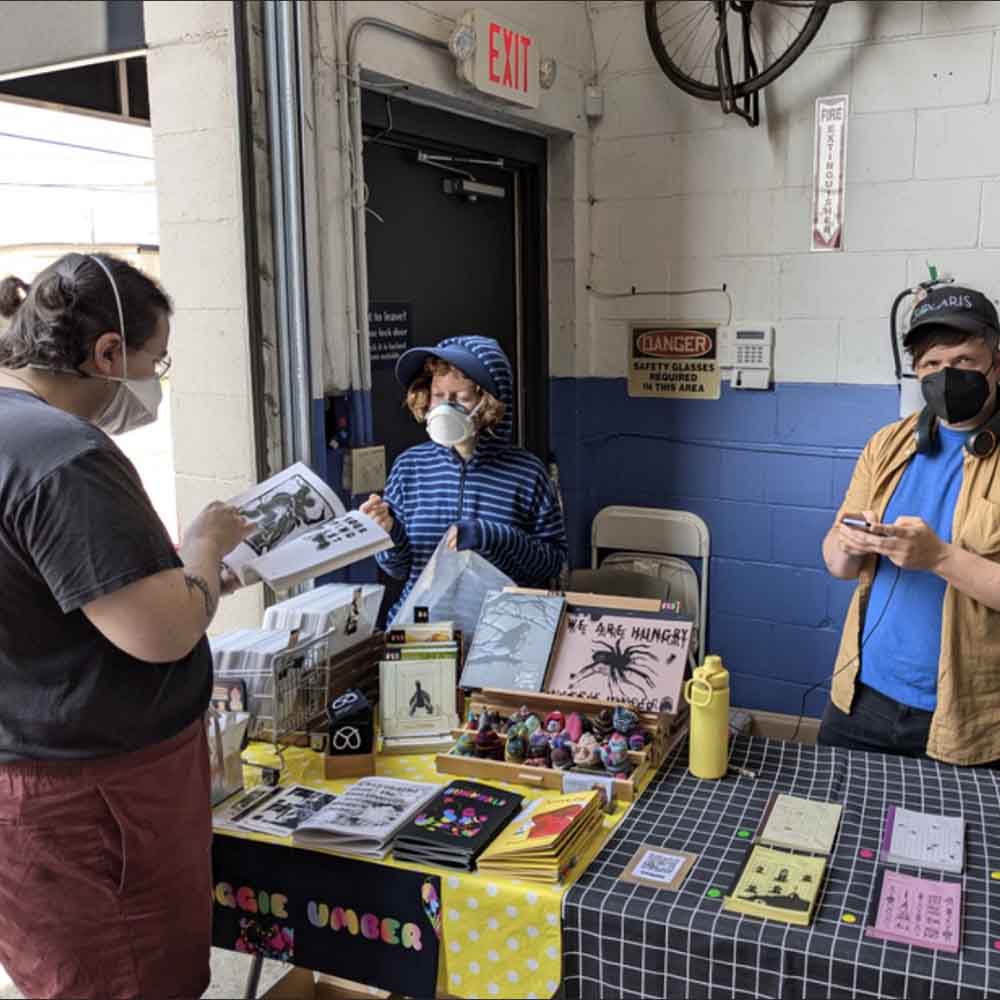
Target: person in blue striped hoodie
x=469, y=480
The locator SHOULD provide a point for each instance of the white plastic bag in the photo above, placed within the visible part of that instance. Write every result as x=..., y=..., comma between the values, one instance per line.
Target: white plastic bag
x=453, y=586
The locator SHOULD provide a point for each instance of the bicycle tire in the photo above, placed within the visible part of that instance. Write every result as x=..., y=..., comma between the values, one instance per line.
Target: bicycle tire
x=697, y=88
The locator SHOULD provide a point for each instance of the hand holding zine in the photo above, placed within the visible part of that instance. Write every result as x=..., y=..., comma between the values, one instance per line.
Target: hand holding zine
x=302, y=531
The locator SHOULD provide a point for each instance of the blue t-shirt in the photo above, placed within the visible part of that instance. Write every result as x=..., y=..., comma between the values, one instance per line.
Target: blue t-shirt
x=902, y=642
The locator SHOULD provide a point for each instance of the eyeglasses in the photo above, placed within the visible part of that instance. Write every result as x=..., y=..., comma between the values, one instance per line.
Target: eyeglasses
x=161, y=362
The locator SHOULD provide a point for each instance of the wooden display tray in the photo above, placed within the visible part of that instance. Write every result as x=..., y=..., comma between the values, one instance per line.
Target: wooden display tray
x=625, y=789
x=354, y=765
x=659, y=725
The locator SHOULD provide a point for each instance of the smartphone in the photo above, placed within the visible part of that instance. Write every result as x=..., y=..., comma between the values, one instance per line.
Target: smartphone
x=857, y=521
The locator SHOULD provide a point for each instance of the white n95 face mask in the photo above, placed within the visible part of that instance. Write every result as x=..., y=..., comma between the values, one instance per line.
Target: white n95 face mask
x=449, y=424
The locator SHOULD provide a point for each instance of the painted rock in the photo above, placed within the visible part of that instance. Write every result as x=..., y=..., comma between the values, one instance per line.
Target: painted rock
x=538, y=750
x=624, y=720
x=531, y=723
x=554, y=722
x=574, y=727
x=587, y=752
x=604, y=724
x=614, y=755
x=489, y=746
x=517, y=745
x=562, y=754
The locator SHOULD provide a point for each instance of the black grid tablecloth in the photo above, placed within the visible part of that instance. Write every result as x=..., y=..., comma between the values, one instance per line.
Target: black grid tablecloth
x=627, y=940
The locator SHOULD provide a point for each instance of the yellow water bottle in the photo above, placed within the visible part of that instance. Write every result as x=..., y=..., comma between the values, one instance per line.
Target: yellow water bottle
x=707, y=692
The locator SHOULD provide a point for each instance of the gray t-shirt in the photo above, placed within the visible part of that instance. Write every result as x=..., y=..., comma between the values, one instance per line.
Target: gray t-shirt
x=76, y=524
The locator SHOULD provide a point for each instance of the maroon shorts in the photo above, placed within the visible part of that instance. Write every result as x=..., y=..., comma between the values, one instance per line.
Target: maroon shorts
x=105, y=873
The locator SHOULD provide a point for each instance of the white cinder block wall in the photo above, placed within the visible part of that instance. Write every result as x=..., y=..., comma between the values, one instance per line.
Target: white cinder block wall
x=685, y=197
x=192, y=84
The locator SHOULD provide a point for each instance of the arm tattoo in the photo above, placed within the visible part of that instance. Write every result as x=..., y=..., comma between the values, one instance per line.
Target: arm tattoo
x=197, y=582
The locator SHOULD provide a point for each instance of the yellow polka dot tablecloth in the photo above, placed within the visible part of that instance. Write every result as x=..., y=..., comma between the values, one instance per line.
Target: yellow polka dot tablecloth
x=501, y=937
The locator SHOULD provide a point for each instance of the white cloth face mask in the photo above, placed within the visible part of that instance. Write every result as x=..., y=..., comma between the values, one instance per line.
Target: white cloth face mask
x=449, y=424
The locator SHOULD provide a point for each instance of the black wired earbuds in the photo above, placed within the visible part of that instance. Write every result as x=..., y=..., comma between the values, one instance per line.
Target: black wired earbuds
x=850, y=662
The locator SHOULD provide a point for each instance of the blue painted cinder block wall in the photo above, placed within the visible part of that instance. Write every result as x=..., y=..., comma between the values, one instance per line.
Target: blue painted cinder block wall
x=766, y=470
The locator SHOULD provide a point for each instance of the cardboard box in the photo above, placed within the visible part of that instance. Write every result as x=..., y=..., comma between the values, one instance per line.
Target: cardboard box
x=355, y=765
x=302, y=984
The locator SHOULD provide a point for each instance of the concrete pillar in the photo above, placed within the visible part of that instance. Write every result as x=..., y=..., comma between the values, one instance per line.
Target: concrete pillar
x=192, y=91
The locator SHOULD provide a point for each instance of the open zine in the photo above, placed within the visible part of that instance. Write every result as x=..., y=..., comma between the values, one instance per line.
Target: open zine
x=230, y=814
x=273, y=809
x=282, y=814
x=366, y=817
x=302, y=531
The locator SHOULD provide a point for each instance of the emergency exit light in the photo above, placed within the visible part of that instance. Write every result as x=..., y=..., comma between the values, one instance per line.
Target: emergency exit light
x=498, y=57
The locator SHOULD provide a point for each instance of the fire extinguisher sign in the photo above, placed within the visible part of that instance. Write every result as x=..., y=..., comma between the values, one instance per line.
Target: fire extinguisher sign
x=674, y=362
x=829, y=172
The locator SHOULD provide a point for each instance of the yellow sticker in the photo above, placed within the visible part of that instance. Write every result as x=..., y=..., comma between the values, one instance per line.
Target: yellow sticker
x=849, y=918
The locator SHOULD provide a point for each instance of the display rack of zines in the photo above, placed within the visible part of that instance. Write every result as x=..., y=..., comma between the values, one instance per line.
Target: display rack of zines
x=502, y=711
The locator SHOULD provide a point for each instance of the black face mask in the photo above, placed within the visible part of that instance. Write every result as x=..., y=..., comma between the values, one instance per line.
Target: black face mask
x=955, y=394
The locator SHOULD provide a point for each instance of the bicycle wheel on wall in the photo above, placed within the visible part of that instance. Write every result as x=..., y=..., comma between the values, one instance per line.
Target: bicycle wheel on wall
x=684, y=34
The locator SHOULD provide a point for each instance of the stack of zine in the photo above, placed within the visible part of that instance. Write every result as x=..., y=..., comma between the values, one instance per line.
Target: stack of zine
x=925, y=840
x=921, y=911
x=366, y=817
x=456, y=826
x=777, y=882
x=547, y=840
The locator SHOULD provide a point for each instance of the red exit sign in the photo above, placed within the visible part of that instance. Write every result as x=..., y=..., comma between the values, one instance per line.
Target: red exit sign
x=505, y=61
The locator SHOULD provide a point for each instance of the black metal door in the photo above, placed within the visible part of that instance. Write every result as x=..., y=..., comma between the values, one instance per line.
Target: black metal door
x=452, y=265
x=445, y=262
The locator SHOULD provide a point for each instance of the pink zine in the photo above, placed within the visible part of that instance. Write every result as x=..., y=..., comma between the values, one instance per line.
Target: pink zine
x=919, y=911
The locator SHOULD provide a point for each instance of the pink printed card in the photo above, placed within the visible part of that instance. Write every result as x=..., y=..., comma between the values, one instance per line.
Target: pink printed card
x=916, y=911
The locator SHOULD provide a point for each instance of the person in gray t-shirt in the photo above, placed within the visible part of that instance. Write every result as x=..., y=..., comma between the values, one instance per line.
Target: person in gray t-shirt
x=104, y=666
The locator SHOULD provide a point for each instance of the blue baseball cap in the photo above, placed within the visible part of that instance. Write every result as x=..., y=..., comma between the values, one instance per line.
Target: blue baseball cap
x=411, y=364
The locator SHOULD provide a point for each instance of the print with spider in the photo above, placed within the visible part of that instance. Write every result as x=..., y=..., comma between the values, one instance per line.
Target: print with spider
x=620, y=668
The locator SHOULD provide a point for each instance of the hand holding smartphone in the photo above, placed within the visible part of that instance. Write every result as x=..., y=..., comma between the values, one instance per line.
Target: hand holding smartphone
x=860, y=523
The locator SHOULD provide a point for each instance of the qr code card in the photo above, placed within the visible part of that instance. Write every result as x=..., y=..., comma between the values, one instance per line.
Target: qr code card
x=658, y=867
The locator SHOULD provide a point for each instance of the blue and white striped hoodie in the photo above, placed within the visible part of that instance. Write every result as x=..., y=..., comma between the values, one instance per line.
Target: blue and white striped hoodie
x=501, y=499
